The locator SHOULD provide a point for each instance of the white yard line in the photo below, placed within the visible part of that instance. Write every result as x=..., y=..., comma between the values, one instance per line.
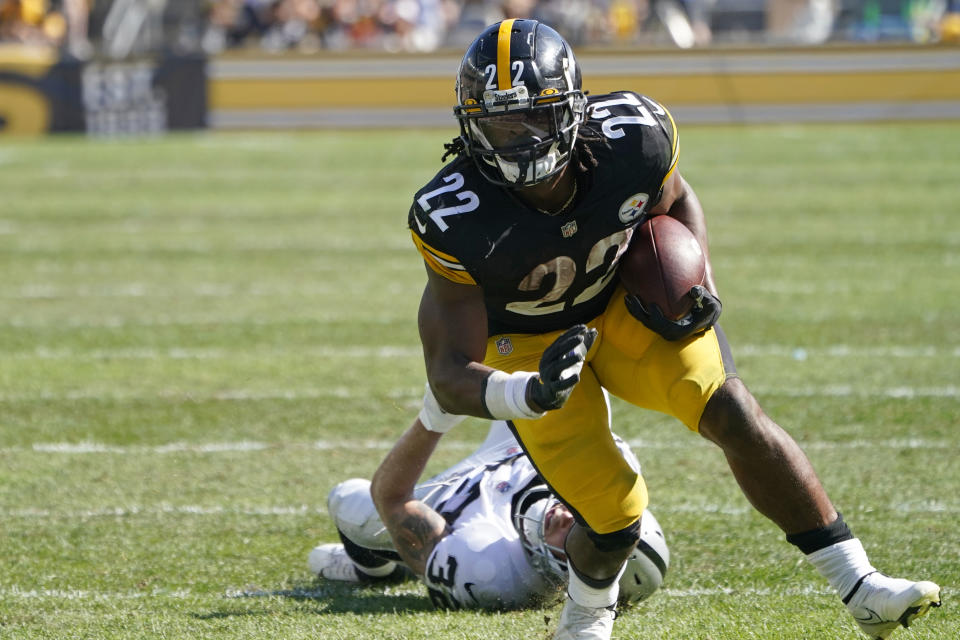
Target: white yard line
x=188, y=353
x=847, y=391
x=108, y=290
x=48, y=291
x=15, y=592
x=841, y=351
x=846, y=351
x=173, y=447
x=304, y=511
x=28, y=513
x=409, y=393
x=243, y=446
x=203, y=320
x=227, y=395
x=809, y=590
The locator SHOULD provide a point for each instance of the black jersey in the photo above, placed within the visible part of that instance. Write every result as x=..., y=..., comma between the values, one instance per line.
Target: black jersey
x=538, y=272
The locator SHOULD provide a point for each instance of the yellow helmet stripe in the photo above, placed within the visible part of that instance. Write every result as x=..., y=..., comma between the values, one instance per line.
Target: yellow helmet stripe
x=503, y=54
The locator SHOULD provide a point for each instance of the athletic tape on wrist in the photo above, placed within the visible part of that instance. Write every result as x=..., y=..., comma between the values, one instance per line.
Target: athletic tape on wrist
x=505, y=395
x=433, y=417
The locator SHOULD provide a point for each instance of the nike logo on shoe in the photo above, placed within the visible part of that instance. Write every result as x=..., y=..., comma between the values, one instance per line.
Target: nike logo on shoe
x=872, y=618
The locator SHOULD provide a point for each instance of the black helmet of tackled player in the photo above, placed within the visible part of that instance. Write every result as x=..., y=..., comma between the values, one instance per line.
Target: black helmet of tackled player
x=519, y=102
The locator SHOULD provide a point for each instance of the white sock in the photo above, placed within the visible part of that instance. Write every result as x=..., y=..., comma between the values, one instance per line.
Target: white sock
x=587, y=596
x=377, y=572
x=842, y=564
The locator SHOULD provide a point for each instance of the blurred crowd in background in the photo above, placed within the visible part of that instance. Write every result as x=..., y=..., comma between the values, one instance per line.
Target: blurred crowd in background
x=426, y=25
x=119, y=28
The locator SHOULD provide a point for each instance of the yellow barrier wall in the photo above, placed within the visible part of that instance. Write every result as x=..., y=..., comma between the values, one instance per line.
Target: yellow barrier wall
x=824, y=84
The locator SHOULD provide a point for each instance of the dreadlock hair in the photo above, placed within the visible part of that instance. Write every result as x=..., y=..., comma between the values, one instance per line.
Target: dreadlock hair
x=455, y=147
x=582, y=151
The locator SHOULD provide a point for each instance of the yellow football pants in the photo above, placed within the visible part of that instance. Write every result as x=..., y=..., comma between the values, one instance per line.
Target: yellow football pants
x=572, y=446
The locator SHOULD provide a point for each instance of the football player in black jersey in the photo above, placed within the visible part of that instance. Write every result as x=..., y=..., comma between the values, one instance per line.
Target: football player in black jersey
x=523, y=319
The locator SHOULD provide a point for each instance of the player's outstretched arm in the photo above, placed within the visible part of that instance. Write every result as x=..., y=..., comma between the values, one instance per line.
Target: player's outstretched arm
x=414, y=527
x=453, y=330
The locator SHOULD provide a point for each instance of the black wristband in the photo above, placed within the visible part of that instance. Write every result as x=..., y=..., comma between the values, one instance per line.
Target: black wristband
x=483, y=397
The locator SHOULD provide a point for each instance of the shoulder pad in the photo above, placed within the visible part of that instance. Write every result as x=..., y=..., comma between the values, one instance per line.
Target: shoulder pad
x=613, y=110
x=623, y=118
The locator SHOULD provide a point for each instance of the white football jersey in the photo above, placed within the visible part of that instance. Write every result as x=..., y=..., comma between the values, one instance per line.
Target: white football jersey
x=481, y=563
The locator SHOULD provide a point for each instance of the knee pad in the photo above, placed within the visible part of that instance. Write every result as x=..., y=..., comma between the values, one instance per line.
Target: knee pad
x=625, y=538
x=350, y=504
x=355, y=515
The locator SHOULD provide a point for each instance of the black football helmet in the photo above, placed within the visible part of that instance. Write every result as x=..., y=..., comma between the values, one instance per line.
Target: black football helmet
x=519, y=102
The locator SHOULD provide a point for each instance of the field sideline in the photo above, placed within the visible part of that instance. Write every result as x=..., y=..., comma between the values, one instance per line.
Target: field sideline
x=201, y=334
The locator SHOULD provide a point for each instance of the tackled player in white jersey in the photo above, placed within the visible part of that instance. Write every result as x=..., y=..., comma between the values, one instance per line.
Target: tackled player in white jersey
x=503, y=531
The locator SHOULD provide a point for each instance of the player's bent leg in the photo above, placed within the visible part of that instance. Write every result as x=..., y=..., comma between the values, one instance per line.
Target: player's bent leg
x=574, y=451
x=771, y=469
x=780, y=482
x=366, y=552
x=353, y=511
x=596, y=558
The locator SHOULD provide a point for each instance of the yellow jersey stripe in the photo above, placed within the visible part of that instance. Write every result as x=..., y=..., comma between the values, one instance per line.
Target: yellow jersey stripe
x=444, y=264
x=675, y=146
x=424, y=246
x=503, y=54
x=675, y=141
x=673, y=167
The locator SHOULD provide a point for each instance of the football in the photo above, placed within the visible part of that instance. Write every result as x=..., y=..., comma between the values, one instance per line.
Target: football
x=661, y=264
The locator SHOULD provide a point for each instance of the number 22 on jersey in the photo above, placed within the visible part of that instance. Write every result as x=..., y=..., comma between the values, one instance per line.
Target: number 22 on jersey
x=565, y=270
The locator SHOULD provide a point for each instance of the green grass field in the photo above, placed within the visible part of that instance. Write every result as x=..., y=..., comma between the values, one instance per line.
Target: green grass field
x=201, y=335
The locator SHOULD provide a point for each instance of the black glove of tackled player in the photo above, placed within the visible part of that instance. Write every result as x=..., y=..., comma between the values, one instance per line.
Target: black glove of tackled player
x=706, y=309
x=560, y=368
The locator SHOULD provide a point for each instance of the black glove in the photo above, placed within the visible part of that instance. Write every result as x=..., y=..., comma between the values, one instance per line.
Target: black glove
x=706, y=309
x=552, y=388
